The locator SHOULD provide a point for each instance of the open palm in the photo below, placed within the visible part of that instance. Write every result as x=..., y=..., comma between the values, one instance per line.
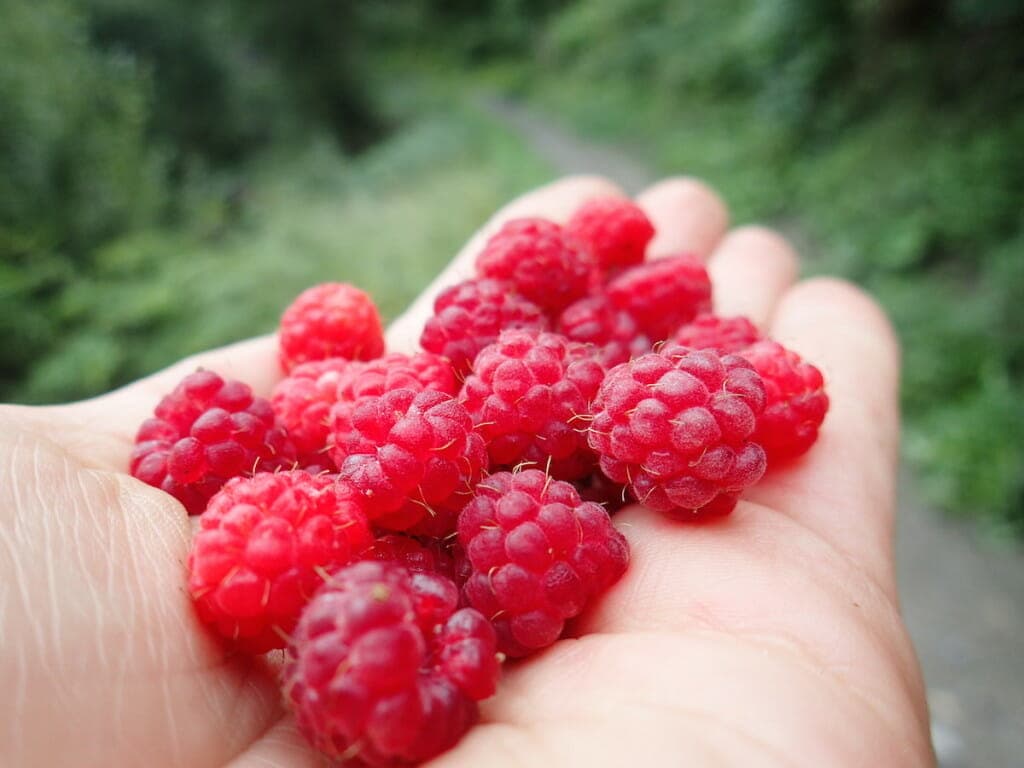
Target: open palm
x=771, y=637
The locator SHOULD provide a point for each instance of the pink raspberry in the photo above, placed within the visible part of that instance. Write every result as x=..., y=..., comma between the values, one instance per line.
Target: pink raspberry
x=615, y=231
x=302, y=401
x=469, y=316
x=612, y=332
x=726, y=335
x=676, y=426
x=539, y=554
x=205, y=432
x=539, y=261
x=330, y=320
x=795, y=404
x=384, y=669
x=262, y=545
x=529, y=397
x=663, y=294
x=411, y=454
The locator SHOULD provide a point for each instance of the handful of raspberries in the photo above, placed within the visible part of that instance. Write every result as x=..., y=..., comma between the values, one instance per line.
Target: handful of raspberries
x=402, y=524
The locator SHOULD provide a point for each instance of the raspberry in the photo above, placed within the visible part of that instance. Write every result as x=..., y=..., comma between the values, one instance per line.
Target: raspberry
x=795, y=403
x=469, y=316
x=676, y=426
x=615, y=231
x=411, y=454
x=383, y=668
x=599, y=489
x=302, y=401
x=428, y=555
x=662, y=295
x=261, y=547
x=539, y=261
x=612, y=332
x=330, y=320
x=726, y=335
x=422, y=370
x=539, y=554
x=206, y=431
x=529, y=397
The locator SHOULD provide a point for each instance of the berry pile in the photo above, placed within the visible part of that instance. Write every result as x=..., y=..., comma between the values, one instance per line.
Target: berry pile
x=402, y=523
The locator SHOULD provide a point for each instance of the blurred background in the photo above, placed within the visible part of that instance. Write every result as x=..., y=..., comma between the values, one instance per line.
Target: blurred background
x=172, y=173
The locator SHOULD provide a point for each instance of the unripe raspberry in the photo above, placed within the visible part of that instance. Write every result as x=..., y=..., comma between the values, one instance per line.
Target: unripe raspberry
x=613, y=230
x=262, y=545
x=383, y=668
x=469, y=316
x=612, y=333
x=205, y=432
x=411, y=454
x=539, y=261
x=539, y=554
x=795, y=404
x=676, y=426
x=726, y=335
x=330, y=320
x=529, y=397
x=663, y=294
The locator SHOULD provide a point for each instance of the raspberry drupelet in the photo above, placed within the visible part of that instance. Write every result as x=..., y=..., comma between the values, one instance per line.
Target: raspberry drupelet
x=613, y=230
x=727, y=335
x=612, y=333
x=330, y=320
x=205, y=432
x=411, y=454
x=537, y=259
x=469, y=316
x=538, y=553
x=676, y=426
x=529, y=397
x=795, y=404
x=663, y=294
x=384, y=669
x=262, y=546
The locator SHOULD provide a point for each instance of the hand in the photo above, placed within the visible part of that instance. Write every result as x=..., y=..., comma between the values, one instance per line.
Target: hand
x=771, y=637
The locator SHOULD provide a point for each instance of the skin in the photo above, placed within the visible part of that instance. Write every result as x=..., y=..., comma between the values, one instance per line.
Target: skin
x=772, y=637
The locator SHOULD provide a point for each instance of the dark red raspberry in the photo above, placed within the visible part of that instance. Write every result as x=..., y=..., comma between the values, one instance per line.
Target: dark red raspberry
x=262, y=547
x=302, y=401
x=613, y=230
x=383, y=669
x=469, y=316
x=726, y=335
x=539, y=554
x=205, y=432
x=676, y=426
x=330, y=320
x=539, y=261
x=795, y=404
x=430, y=556
x=612, y=332
x=529, y=397
x=663, y=294
x=411, y=454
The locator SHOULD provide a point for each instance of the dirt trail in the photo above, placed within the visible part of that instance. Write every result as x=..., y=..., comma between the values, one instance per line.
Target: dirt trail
x=963, y=601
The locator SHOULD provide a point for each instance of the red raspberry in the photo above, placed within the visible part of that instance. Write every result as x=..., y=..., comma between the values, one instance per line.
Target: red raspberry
x=330, y=320
x=302, y=401
x=423, y=370
x=529, y=397
x=204, y=433
x=612, y=332
x=676, y=426
x=539, y=554
x=615, y=231
x=428, y=555
x=262, y=545
x=410, y=454
x=469, y=316
x=726, y=335
x=795, y=403
x=599, y=489
x=663, y=294
x=539, y=261
x=382, y=667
